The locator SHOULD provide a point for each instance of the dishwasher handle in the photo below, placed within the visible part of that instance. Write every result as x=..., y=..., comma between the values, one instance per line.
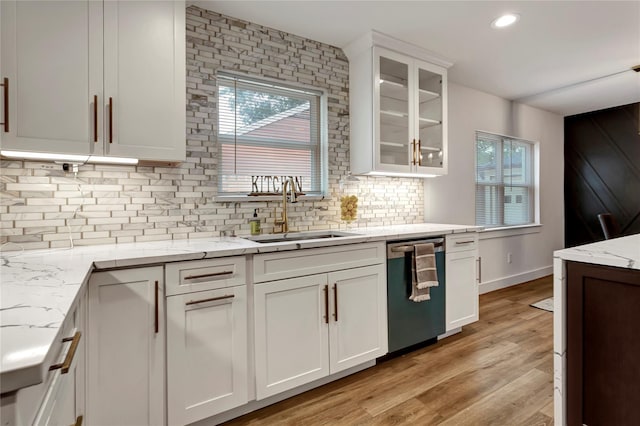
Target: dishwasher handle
x=399, y=249
x=408, y=248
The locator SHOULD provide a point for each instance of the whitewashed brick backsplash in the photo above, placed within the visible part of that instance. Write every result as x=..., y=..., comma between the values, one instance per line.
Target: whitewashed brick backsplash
x=41, y=206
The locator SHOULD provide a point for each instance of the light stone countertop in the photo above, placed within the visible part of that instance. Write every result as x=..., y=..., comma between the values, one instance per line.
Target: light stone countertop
x=39, y=288
x=623, y=252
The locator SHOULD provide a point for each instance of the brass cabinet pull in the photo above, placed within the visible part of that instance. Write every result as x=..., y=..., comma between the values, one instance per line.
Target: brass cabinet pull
x=95, y=118
x=213, y=274
x=66, y=364
x=326, y=304
x=78, y=421
x=335, y=301
x=479, y=269
x=157, y=320
x=5, y=84
x=110, y=119
x=465, y=242
x=413, y=148
x=419, y=153
x=212, y=299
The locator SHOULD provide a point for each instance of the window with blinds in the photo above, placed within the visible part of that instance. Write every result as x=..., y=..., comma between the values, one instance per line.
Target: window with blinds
x=504, y=181
x=266, y=133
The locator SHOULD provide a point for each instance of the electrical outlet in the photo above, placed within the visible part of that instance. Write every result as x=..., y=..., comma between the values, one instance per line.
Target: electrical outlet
x=49, y=166
x=508, y=257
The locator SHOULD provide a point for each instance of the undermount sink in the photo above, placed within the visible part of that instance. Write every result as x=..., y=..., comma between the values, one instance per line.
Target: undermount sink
x=299, y=236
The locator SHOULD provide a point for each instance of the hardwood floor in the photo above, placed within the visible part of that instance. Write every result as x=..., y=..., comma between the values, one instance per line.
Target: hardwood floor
x=497, y=371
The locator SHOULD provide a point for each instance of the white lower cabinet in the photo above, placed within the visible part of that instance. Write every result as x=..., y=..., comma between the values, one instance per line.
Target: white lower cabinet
x=63, y=403
x=462, y=301
x=309, y=327
x=125, y=357
x=59, y=399
x=358, y=327
x=291, y=333
x=206, y=353
x=325, y=313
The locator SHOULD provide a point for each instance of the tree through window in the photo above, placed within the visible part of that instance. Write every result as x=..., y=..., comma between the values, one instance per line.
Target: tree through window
x=268, y=129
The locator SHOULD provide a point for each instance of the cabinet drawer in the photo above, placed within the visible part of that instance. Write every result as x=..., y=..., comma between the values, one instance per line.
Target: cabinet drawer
x=461, y=242
x=276, y=266
x=210, y=274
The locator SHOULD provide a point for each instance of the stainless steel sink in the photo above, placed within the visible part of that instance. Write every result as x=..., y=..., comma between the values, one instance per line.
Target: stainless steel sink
x=299, y=236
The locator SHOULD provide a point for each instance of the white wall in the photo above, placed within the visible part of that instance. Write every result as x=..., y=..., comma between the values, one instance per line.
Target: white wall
x=451, y=198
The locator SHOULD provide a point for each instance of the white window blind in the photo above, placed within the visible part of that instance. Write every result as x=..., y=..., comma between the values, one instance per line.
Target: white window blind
x=267, y=129
x=504, y=180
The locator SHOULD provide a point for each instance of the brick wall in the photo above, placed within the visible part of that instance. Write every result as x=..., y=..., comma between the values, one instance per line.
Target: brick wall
x=41, y=206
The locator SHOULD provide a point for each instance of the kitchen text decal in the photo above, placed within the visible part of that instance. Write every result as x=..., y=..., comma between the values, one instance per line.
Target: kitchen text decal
x=270, y=185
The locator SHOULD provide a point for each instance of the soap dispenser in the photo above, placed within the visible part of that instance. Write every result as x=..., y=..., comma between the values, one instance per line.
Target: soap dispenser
x=255, y=223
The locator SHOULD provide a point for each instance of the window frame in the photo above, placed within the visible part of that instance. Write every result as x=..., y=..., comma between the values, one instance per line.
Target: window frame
x=533, y=186
x=278, y=87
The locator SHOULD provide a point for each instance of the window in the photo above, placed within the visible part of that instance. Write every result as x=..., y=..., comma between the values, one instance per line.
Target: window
x=266, y=132
x=504, y=181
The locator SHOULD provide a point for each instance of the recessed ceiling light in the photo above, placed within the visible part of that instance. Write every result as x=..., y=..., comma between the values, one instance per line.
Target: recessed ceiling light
x=505, y=20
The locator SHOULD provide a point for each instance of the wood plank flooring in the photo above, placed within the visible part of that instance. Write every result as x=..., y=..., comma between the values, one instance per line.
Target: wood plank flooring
x=497, y=371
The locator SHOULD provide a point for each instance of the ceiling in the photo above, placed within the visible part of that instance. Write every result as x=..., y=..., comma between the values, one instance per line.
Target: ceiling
x=567, y=57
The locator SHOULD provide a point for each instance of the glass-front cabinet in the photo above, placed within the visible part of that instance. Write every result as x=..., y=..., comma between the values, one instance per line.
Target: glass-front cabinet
x=398, y=115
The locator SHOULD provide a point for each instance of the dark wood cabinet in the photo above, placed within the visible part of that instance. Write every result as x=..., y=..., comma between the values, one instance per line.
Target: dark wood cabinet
x=603, y=345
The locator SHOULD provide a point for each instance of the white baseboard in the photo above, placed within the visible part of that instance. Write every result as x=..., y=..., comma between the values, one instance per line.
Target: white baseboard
x=450, y=333
x=511, y=280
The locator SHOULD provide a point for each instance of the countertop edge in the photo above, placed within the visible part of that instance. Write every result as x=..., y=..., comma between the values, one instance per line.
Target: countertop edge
x=623, y=252
x=36, y=372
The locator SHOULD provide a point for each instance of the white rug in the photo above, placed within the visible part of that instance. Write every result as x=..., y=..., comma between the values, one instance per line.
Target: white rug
x=546, y=304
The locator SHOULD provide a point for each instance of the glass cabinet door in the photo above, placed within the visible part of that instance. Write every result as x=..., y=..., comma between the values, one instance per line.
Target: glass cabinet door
x=430, y=118
x=393, y=109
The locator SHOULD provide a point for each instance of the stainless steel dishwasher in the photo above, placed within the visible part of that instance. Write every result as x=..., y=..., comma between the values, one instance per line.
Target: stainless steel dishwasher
x=413, y=323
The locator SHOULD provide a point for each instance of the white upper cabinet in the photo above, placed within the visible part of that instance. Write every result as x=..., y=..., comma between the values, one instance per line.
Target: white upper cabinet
x=52, y=62
x=90, y=77
x=144, y=79
x=398, y=108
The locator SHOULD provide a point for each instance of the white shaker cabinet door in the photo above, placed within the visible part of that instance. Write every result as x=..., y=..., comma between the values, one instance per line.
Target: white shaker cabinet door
x=144, y=79
x=291, y=333
x=125, y=363
x=462, y=289
x=52, y=62
x=358, y=316
x=206, y=353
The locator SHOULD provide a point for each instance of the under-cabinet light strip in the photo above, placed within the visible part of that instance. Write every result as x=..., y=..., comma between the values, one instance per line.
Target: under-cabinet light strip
x=67, y=157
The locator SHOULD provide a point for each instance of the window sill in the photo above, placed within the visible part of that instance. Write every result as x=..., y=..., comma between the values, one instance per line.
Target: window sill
x=262, y=198
x=509, y=231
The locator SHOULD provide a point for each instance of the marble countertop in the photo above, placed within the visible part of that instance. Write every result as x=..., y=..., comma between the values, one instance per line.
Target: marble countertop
x=38, y=288
x=623, y=252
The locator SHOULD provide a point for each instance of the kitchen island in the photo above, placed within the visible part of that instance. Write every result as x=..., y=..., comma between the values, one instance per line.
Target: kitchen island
x=596, y=324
